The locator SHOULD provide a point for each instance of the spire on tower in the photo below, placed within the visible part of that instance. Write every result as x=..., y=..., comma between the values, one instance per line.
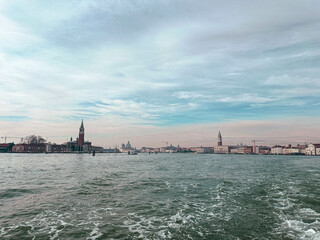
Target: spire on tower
x=219, y=139
x=81, y=136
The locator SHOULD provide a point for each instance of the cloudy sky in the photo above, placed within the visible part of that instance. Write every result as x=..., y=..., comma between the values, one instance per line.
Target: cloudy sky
x=159, y=71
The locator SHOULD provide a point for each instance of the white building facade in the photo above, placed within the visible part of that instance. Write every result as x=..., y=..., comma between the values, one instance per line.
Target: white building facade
x=277, y=150
x=313, y=149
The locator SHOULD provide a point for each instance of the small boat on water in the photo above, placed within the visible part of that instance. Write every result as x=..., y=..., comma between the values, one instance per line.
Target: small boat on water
x=132, y=153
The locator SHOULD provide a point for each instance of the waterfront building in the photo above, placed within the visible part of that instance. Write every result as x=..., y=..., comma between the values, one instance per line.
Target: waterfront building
x=163, y=149
x=147, y=150
x=72, y=146
x=29, y=148
x=233, y=149
x=202, y=149
x=38, y=145
x=79, y=145
x=111, y=150
x=6, y=147
x=97, y=149
x=264, y=150
x=169, y=149
x=48, y=147
x=87, y=147
x=303, y=148
x=245, y=150
x=277, y=150
x=125, y=148
x=313, y=149
x=303, y=151
x=222, y=149
x=183, y=150
x=289, y=150
x=55, y=148
x=209, y=150
x=197, y=149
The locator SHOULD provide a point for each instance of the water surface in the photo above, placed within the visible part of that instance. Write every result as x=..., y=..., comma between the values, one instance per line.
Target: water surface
x=163, y=196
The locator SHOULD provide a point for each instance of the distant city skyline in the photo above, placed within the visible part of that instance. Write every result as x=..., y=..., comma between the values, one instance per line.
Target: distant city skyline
x=265, y=133
x=161, y=71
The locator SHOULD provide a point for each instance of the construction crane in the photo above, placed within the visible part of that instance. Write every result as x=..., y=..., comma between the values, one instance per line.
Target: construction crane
x=5, y=138
x=254, y=144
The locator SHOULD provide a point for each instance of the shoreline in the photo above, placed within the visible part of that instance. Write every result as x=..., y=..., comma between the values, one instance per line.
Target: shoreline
x=238, y=154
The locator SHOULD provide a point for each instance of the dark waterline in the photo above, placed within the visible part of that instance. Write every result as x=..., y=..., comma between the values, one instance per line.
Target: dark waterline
x=163, y=196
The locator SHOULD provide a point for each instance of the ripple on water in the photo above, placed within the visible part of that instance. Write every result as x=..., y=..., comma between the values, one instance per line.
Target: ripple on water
x=54, y=225
x=14, y=192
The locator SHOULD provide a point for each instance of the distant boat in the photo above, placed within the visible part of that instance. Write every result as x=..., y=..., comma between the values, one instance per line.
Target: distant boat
x=132, y=153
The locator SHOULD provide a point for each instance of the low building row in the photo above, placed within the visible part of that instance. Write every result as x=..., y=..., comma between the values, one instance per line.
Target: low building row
x=53, y=148
x=6, y=147
x=306, y=149
x=290, y=150
x=72, y=146
x=240, y=149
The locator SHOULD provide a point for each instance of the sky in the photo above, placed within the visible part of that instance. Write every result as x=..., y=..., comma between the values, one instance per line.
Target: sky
x=152, y=72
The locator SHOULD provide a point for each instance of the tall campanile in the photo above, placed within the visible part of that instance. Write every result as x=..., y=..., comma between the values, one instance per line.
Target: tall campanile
x=219, y=139
x=81, y=134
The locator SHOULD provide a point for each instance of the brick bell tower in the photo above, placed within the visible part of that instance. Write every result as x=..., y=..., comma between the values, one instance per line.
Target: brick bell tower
x=81, y=135
x=219, y=139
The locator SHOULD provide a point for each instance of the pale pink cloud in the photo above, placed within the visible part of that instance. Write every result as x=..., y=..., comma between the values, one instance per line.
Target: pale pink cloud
x=114, y=131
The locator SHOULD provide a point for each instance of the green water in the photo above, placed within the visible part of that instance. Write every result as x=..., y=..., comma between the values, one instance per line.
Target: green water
x=163, y=196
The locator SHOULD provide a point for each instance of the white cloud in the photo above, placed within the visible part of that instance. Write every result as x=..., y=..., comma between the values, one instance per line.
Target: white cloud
x=146, y=61
x=246, y=98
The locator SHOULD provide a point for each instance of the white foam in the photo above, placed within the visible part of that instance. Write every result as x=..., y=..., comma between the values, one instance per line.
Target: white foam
x=310, y=232
x=56, y=234
x=95, y=234
x=63, y=223
x=301, y=230
x=162, y=234
x=107, y=209
x=284, y=204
